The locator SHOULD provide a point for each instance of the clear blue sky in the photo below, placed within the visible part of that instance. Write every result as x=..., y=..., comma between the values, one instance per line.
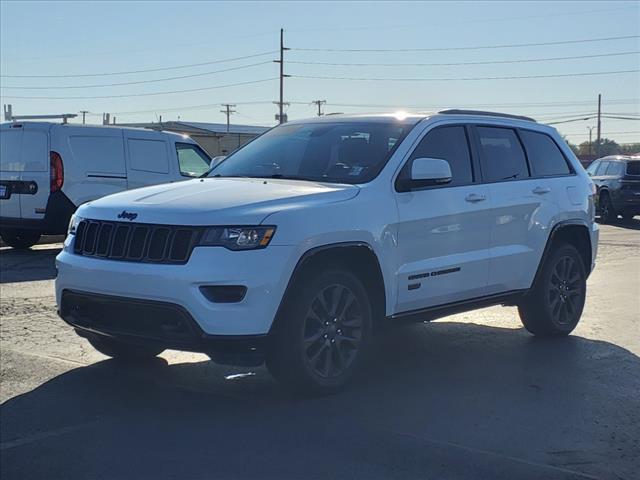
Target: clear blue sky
x=68, y=38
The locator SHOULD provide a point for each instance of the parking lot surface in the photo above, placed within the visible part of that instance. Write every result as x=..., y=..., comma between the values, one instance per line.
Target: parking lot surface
x=472, y=396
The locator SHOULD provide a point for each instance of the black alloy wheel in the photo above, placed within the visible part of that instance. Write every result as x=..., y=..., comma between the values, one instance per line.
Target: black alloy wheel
x=332, y=331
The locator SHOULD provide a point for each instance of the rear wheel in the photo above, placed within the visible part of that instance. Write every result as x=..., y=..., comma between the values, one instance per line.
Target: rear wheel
x=323, y=333
x=607, y=210
x=20, y=239
x=123, y=351
x=554, y=304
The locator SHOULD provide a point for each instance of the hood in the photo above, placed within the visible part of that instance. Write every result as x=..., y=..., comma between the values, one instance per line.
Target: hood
x=214, y=201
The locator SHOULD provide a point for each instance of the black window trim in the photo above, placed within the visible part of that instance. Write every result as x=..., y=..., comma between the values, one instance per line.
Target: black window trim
x=475, y=165
x=572, y=171
x=192, y=145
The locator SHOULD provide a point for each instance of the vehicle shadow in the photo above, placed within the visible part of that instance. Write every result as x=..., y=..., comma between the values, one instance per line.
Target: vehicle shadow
x=28, y=265
x=446, y=400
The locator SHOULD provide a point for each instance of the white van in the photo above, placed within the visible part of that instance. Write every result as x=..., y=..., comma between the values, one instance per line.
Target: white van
x=47, y=170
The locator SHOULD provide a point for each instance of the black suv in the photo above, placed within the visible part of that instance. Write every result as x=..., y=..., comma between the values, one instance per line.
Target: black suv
x=617, y=180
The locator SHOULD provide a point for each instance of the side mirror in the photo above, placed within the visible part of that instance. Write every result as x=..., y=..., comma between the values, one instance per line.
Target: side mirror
x=216, y=160
x=430, y=171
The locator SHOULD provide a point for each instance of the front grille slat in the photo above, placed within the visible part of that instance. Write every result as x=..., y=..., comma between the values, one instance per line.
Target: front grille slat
x=135, y=242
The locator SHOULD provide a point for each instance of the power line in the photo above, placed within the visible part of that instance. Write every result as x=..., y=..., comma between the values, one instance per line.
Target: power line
x=489, y=62
x=146, y=94
x=181, y=77
x=591, y=117
x=450, y=79
x=483, y=47
x=158, y=69
x=617, y=101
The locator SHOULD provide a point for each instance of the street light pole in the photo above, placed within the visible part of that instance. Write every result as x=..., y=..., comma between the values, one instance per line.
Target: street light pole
x=590, y=144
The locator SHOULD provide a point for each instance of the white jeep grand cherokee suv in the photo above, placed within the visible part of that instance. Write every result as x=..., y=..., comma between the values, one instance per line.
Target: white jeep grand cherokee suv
x=296, y=246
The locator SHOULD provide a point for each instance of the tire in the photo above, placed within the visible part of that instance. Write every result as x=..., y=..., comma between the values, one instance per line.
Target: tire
x=128, y=352
x=607, y=210
x=323, y=333
x=20, y=239
x=555, y=302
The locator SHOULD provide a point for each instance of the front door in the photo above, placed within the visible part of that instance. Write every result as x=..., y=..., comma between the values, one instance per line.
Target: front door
x=443, y=231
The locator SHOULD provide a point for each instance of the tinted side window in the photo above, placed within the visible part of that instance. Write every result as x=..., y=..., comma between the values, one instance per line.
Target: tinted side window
x=502, y=155
x=615, y=168
x=601, y=169
x=592, y=168
x=447, y=143
x=544, y=155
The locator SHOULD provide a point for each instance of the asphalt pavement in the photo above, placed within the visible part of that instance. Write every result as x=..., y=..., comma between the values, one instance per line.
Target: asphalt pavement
x=472, y=396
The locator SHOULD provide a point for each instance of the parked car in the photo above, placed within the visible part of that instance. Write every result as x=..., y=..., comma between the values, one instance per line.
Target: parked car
x=617, y=179
x=47, y=170
x=300, y=244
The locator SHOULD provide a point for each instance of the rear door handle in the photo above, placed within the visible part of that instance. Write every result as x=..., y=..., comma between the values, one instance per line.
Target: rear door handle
x=541, y=190
x=475, y=197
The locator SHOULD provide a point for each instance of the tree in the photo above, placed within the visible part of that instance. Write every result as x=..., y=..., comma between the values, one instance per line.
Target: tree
x=607, y=147
x=630, y=149
x=572, y=146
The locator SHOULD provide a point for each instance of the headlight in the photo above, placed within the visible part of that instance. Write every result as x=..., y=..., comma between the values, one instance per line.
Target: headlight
x=73, y=224
x=238, y=238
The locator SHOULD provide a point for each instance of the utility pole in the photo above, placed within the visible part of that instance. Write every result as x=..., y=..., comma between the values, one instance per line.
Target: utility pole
x=590, y=144
x=228, y=111
x=83, y=112
x=599, y=131
x=280, y=117
x=319, y=103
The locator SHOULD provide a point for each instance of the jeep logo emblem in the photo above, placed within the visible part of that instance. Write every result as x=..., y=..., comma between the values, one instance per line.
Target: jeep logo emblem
x=128, y=215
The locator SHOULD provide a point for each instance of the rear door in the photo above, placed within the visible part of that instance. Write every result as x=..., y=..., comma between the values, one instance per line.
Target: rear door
x=148, y=159
x=10, y=170
x=24, y=170
x=35, y=161
x=443, y=231
x=524, y=203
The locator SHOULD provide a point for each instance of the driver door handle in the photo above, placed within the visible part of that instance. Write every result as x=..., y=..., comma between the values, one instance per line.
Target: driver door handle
x=475, y=197
x=541, y=190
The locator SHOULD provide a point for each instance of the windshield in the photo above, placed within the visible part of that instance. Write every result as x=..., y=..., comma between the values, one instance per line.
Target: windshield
x=342, y=152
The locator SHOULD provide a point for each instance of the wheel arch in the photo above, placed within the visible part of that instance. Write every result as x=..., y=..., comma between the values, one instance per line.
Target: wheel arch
x=357, y=256
x=573, y=232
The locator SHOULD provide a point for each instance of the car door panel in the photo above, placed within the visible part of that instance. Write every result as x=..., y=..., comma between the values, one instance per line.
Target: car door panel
x=443, y=242
x=443, y=231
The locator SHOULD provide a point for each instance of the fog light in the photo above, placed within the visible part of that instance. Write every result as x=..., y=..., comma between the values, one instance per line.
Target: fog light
x=224, y=293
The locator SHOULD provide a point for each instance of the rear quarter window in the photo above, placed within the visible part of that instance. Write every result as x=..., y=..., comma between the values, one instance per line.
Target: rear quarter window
x=545, y=157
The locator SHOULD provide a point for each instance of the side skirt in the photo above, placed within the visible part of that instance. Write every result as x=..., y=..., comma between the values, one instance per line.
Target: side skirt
x=510, y=298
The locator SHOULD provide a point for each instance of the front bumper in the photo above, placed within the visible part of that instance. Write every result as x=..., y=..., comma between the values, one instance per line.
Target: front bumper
x=265, y=273
x=157, y=323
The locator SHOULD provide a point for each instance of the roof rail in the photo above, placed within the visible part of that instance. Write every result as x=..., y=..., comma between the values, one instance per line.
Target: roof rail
x=10, y=117
x=455, y=111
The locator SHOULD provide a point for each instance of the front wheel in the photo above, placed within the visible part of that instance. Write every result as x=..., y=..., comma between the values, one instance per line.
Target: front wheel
x=554, y=304
x=322, y=334
x=128, y=352
x=20, y=239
